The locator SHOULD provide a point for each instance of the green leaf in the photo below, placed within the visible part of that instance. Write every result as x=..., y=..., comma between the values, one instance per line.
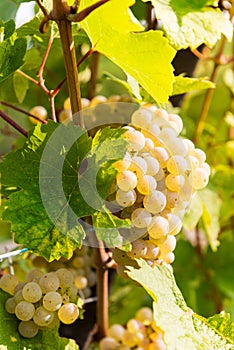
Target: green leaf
x=185, y=84
x=191, y=23
x=193, y=214
x=10, y=339
x=107, y=228
x=57, y=189
x=21, y=86
x=223, y=324
x=8, y=11
x=210, y=216
x=182, y=328
x=7, y=29
x=11, y=56
x=113, y=32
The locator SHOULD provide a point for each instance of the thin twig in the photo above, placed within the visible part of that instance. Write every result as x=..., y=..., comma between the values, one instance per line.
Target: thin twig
x=52, y=107
x=42, y=66
x=23, y=111
x=42, y=7
x=59, y=86
x=13, y=123
x=27, y=77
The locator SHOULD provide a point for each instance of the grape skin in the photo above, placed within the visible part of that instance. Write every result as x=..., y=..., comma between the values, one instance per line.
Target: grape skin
x=28, y=329
x=24, y=310
x=68, y=313
x=32, y=292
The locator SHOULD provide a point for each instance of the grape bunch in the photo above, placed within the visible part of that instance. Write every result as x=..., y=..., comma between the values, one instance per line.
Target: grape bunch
x=42, y=300
x=159, y=174
x=80, y=265
x=140, y=332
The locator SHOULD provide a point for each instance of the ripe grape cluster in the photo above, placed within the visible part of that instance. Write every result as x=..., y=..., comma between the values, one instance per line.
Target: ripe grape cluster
x=42, y=300
x=80, y=265
x=159, y=174
x=140, y=332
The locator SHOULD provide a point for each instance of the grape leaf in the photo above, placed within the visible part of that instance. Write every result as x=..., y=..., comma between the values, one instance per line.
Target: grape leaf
x=7, y=28
x=11, y=56
x=182, y=328
x=21, y=86
x=57, y=188
x=118, y=37
x=185, y=84
x=191, y=23
x=193, y=213
x=10, y=339
x=8, y=11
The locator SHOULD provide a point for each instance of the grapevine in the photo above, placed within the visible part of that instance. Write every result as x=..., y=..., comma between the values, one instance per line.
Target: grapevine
x=116, y=175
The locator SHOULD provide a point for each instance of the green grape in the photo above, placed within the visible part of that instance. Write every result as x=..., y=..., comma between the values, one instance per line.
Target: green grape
x=52, y=301
x=68, y=313
x=8, y=283
x=32, y=292
x=43, y=317
x=24, y=310
x=28, y=329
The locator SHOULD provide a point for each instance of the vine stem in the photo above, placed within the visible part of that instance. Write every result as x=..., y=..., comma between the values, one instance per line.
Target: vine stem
x=94, y=63
x=100, y=259
x=60, y=13
x=13, y=123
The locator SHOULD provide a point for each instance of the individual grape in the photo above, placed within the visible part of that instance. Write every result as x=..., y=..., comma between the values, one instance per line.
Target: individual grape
x=172, y=199
x=98, y=99
x=155, y=202
x=199, y=154
x=152, y=130
x=152, y=165
x=129, y=339
x=142, y=118
x=81, y=282
x=199, y=178
x=144, y=315
x=157, y=345
x=168, y=245
x=141, y=218
x=43, y=317
x=175, y=224
x=206, y=167
x=52, y=301
x=152, y=251
x=8, y=283
x=126, y=180
x=139, y=249
x=32, y=292
x=124, y=163
x=160, y=117
x=24, y=310
x=161, y=155
x=167, y=134
x=85, y=102
x=65, y=116
x=49, y=282
x=34, y=275
x=175, y=182
x=138, y=166
x=167, y=257
x=176, y=122
x=125, y=199
x=146, y=184
x=108, y=343
x=177, y=165
x=78, y=262
x=38, y=111
x=10, y=305
x=158, y=228
x=28, y=329
x=19, y=286
x=67, y=103
x=149, y=144
x=65, y=277
x=133, y=325
x=116, y=331
x=189, y=145
x=136, y=140
x=192, y=162
x=68, y=313
x=18, y=296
